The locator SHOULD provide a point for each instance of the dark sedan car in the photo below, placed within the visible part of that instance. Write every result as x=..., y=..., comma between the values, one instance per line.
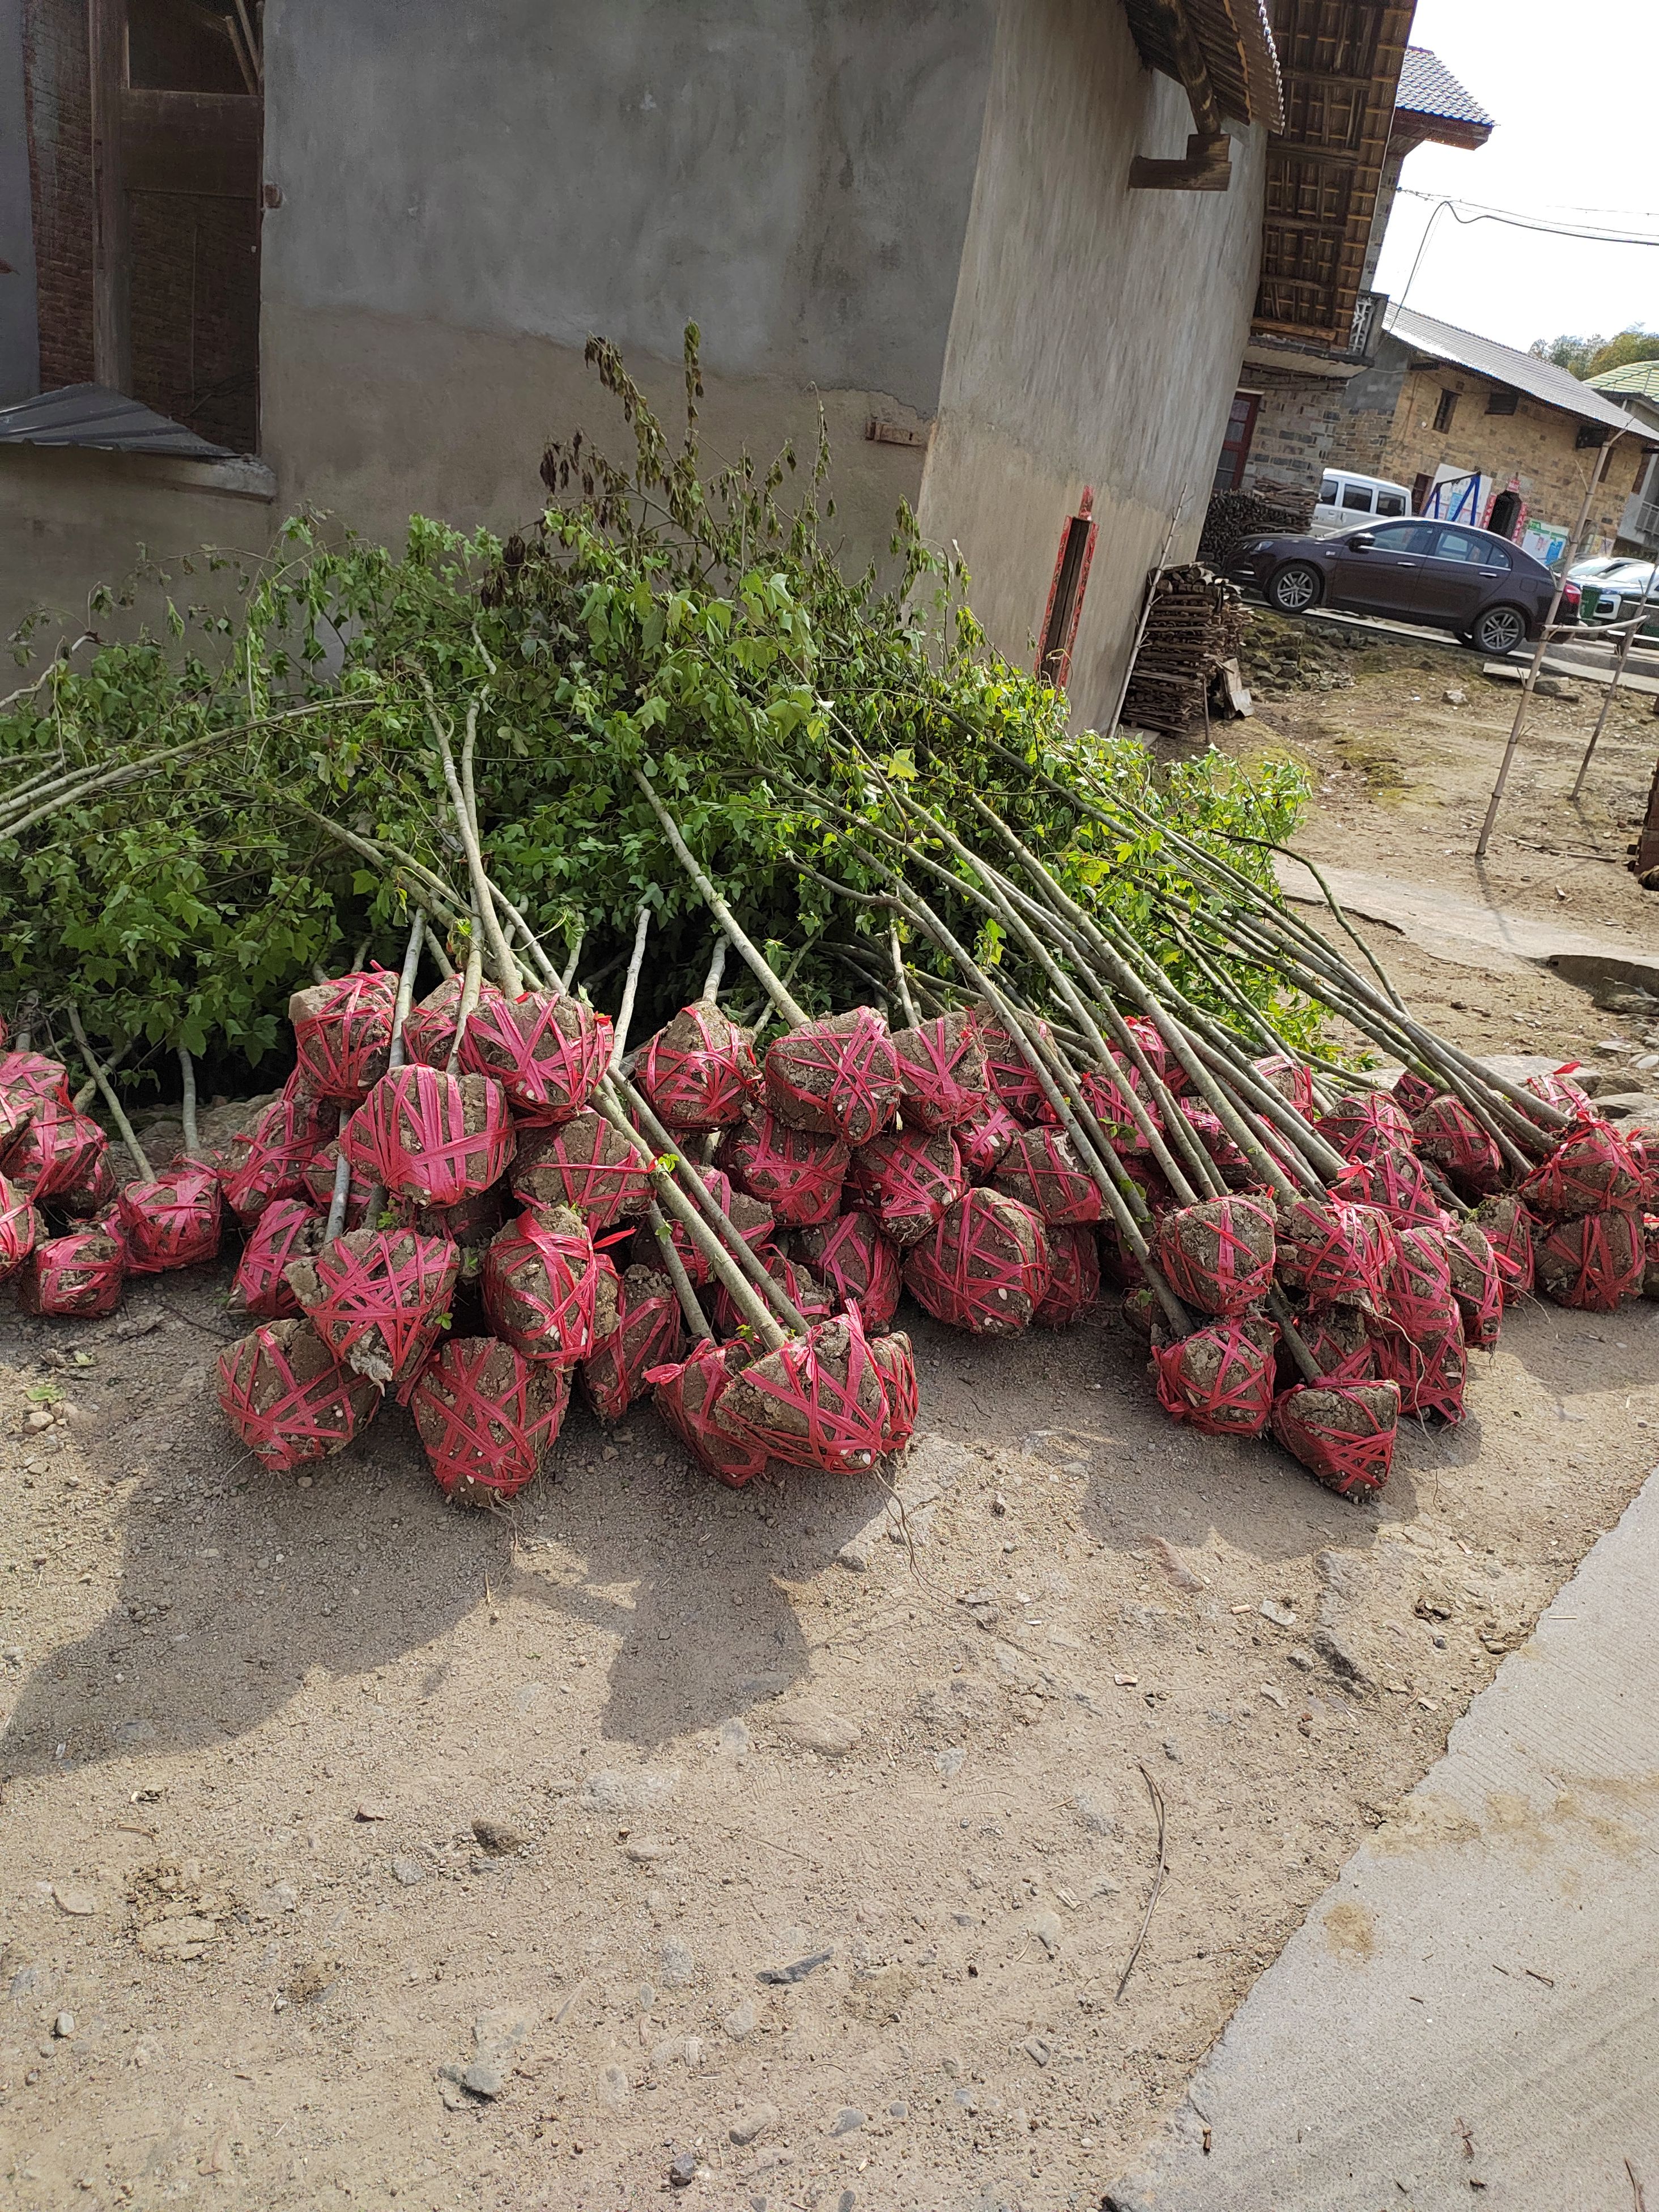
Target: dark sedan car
x=1490, y=593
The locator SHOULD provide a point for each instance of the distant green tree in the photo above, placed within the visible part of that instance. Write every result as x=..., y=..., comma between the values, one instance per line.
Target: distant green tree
x=1591, y=356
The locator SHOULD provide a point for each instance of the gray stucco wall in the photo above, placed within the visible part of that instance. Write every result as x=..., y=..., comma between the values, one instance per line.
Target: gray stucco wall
x=467, y=194
x=1096, y=336
x=19, y=349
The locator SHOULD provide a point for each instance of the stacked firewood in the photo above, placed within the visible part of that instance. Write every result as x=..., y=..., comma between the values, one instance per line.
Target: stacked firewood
x=1233, y=516
x=1194, y=625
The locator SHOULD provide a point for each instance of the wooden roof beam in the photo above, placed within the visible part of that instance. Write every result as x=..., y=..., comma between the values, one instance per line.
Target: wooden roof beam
x=1209, y=164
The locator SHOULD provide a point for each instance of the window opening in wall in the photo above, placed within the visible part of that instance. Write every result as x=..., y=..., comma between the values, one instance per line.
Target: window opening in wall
x=1059, y=621
x=145, y=122
x=1235, y=446
x=1505, y=514
x=1422, y=485
x=1501, y=402
x=1445, y=410
x=1591, y=434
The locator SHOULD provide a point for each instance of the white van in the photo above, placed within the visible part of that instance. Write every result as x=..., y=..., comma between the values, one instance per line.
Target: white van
x=1346, y=500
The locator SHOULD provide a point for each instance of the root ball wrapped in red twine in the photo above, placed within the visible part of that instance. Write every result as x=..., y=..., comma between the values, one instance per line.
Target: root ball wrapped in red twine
x=1142, y=1310
x=470, y=1227
x=547, y=1052
x=1449, y=1135
x=893, y=1355
x=431, y=1137
x=343, y=1033
x=1651, y=1275
x=818, y=1400
x=1074, y=1277
x=1218, y=1255
x=57, y=1149
x=636, y=1326
x=317, y=1180
x=1291, y=1080
x=1342, y=1347
x=488, y=1417
x=32, y=1079
x=985, y=1268
x=378, y=1298
x=429, y=1027
x=907, y=1178
x=1230, y=1163
x=1336, y=1254
x=1108, y=1098
x=859, y=1263
x=1507, y=1227
x=1219, y=1380
x=538, y=1286
x=287, y=1230
x=1560, y=1090
x=1589, y=1171
x=753, y=1222
x=699, y=1071
x=92, y=1191
x=1391, y=1179
x=1042, y=1170
x=268, y=1160
x=983, y=1139
x=1343, y=1433
x=795, y=1172
x=1412, y=1093
x=942, y=1072
x=19, y=1227
x=813, y=1300
x=688, y=1396
x=1592, y=1261
x=586, y=1163
x=1362, y=1126
x=173, y=1222
x=1010, y=1074
x=1476, y=1284
x=1430, y=1367
x=80, y=1274
x=289, y=1399
x=838, y=1077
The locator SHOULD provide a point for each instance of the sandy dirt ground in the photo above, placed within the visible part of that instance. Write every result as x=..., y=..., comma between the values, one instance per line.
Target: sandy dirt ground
x=358, y=1852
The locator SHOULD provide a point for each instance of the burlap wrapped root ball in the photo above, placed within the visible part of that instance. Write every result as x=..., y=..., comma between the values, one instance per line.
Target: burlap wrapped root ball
x=1476, y=1284
x=288, y=1400
x=1507, y=1227
x=488, y=1417
x=20, y=1227
x=268, y=1160
x=699, y=1071
x=943, y=1078
x=1449, y=1135
x=1335, y=1253
x=432, y=1138
x=812, y=1299
x=1590, y=1172
x=379, y=1298
x=836, y=1076
x=1361, y=1127
x=173, y=1222
x=429, y=1026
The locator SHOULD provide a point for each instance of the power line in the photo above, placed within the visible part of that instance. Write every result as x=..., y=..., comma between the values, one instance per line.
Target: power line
x=1469, y=212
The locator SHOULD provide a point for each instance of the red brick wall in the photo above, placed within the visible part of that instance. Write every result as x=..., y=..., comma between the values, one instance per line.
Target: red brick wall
x=58, y=82
x=196, y=312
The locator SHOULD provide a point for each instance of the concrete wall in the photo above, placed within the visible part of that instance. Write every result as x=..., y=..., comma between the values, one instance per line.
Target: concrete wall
x=1097, y=337
x=20, y=343
x=467, y=194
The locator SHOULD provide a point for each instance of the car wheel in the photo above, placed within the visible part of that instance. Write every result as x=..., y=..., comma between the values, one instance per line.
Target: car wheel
x=1296, y=588
x=1500, y=629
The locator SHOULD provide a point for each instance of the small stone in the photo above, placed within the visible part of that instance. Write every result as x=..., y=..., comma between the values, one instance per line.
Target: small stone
x=898, y=2110
x=999, y=1504
x=753, y=2123
x=1299, y=1656
x=847, y=2121
x=37, y=1421
x=677, y=1968
x=1454, y=698
x=1280, y=1615
x=483, y=2078
x=408, y=1871
x=373, y=1809
x=614, y=2088
x=1045, y=1926
x=740, y=2020
x=498, y=1837
x=63, y=2026
x=683, y=2170
x=1036, y=2048
x=645, y=1850
x=70, y=1899
x=1274, y=1697
x=814, y=1727
x=856, y=1558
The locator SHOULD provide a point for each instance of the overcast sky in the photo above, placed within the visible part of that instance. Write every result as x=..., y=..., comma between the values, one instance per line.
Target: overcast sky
x=1572, y=94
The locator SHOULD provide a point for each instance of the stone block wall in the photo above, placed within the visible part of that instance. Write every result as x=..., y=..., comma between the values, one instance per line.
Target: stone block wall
x=1296, y=425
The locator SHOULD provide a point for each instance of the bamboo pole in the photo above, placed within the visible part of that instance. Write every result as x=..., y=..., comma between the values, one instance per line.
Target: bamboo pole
x=187, y=1076
x=117, y=1112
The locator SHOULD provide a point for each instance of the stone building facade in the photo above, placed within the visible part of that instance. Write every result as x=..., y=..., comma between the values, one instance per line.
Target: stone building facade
x=1485, y=434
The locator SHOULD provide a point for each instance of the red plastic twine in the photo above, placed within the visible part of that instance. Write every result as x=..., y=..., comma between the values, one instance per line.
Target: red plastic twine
x=707, y=1078
x=31, y=1077
x=343, y=1033
x=538, y=1287
x=429, y=1027
x=1010, y=1074
x=80, y=1274
x=1234, y=1398
x=281, y=1234
x=1449, y=1135
x=56, y=1149
x=1507, y=1227
x=317, y=1406
x=857, y=1091
x=859, y=1263
x=1291, y=1080
x=1242, y=1269
x=19, y=1227
x=410, y=1135
x=907, y=1178
x=585, y=1162
x=173, y=1222
x=942, y=1072
x=1354, y=1465
x=1329, y=1333
x=646, y=1333
x=1335, y=1254
x=488, y=1417
x=269, y=1161
x=983, y=1139
x=1073, y=1278
x=546, y=1052
x=843, y=1433
x=1593, y=1262
x=985, y=1268
x=1391, y=1179
x=813, y=1300
x=1589, y=1171
x=391, y=1285
x=797, y=1172
x=1361, y=1127
x=1041, y=1170
x=1412, y=1094
x=687, y=1395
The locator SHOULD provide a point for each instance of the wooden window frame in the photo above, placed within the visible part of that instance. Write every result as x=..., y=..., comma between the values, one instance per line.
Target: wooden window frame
x=1071, y=579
